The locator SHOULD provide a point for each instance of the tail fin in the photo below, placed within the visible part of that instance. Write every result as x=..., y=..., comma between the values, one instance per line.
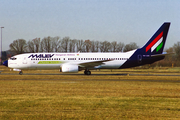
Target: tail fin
x=156, y=44
x=151, y=51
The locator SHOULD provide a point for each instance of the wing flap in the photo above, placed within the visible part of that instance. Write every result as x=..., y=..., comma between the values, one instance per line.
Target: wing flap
x=93, y=63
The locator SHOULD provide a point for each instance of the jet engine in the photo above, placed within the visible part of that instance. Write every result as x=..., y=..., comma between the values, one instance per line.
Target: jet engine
x=69, y=68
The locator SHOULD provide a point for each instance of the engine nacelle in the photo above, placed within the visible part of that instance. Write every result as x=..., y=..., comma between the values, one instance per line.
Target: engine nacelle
x=69, y=68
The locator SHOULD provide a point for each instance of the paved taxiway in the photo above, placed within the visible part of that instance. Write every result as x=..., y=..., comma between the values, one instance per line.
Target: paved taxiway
x=125, y=74
x=94, y=79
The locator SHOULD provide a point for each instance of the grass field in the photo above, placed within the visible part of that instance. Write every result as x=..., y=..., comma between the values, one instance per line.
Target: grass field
x=53, y=95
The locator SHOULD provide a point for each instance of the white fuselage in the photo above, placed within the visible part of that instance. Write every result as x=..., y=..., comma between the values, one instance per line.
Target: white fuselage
x=56, y=60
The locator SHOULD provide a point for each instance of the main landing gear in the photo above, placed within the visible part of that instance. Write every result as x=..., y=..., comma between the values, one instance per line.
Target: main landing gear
x=20, y=72
x=87, y=72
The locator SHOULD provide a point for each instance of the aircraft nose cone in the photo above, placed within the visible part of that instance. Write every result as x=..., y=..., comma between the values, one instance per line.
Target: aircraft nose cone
x=5, y=63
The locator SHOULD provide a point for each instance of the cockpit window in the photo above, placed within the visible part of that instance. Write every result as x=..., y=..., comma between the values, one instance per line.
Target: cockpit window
x=13, y=58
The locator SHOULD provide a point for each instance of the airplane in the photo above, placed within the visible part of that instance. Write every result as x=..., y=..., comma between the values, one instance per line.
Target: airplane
x=151, y=52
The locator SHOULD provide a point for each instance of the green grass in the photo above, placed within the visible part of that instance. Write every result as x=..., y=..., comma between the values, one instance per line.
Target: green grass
x=90, y=97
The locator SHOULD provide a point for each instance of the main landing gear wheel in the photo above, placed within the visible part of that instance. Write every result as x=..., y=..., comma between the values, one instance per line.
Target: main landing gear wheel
x=87, y=72
x=20, y=72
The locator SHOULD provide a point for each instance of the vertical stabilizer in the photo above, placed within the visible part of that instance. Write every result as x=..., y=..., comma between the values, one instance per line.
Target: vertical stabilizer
x=156, y=44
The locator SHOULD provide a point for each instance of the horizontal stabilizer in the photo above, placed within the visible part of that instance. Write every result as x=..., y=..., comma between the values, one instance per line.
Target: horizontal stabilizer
x=163, y=54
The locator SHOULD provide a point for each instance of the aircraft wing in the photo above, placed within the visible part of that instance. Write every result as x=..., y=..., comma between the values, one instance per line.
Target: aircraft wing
x=93, y=63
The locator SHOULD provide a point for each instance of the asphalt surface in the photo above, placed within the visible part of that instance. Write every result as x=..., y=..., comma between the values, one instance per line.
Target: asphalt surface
x=124, y=74
x=75, y=74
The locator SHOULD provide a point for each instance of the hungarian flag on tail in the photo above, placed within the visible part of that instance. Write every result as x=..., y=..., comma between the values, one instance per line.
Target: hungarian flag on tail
x=156, y=44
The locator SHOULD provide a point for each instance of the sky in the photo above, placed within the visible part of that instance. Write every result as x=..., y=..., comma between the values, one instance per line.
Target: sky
x=111, y=20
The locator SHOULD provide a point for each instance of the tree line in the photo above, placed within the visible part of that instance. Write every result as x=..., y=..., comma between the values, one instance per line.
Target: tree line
x=56, y=44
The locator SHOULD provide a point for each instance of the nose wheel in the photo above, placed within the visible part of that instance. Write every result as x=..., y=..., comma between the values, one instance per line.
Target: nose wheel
x=87, y=72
